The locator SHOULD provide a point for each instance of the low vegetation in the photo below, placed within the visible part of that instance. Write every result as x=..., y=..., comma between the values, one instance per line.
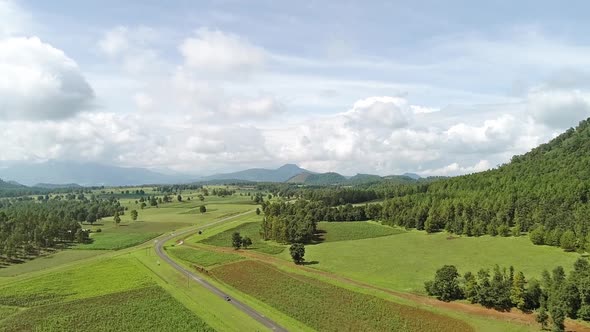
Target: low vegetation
x=116, y=240
x=325, y=307
x=331, y=231
x=88, y=280
x=405, y=261
x=250, y=230
x=202, y=257
x=122, y=311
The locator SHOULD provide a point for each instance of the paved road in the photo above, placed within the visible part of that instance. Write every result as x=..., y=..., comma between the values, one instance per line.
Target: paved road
x=241, y=306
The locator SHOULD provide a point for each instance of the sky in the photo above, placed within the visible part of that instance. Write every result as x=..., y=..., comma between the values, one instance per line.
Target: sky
x=201, y=87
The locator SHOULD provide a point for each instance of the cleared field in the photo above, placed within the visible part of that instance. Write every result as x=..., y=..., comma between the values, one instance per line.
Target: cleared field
x=116, y=241
x=356, y=230
x=202, y=257
x=5, y=312
x=127, y=234
x=326, y=307
x=88, y=280
x=123, y=311
x=251, y=230
x=405, y=261
x=53, y=260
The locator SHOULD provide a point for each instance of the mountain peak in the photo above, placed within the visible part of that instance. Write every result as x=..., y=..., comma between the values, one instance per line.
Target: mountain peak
x=290, y=167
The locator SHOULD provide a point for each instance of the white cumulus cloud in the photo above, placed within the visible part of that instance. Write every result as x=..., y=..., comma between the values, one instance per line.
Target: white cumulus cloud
x=220, y=52
x=558, y=108
x=38, y=81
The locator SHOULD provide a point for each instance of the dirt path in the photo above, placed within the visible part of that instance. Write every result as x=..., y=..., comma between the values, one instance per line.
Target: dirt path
x=514, y=315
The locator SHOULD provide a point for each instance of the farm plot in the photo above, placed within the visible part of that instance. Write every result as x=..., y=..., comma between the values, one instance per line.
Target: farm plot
x=326, y=307
x=202, y=257
x=123, y=311
x=99, y=278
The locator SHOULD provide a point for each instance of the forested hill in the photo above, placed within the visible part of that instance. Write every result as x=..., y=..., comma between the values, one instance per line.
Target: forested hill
x=547, y=188
x=9, y=185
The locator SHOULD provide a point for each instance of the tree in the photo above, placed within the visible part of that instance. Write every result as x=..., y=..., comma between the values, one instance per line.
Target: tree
x=297, y=251
x=470, y=287
x=257, y=211
x=179, y=198
x=568, y=241
x=81, y=236
x=153, y=201
x=133, y=214
x=246, y=242
x=201, y=197
x=446, y=284
x=116, y=218
x=533, y=295
x=236, y=240
x=558, y=317
x=537, y=236
x=203, y=209
x=542, y=316
x=517, y=292
x=91, y=218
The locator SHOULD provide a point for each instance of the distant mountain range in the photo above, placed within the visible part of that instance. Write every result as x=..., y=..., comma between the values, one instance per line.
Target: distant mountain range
x=280, y=174
x=62, y=174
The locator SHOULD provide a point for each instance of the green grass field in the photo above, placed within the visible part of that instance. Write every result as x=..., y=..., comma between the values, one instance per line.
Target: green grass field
x=122, y=311
x=202, y=257
x=6, y=312
x=405, y=261
x=50, y=261
x=82, y=285
x=87, y=280
x=80, y=280
x=116, y=240
x=325, y=307
x=344, y=231
x=252, y=230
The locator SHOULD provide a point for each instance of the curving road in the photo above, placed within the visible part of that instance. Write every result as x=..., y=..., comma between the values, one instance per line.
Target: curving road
x=159, y=247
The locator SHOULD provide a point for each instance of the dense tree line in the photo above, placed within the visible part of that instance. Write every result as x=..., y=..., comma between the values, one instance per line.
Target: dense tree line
x=556, y=296
x=546, y=190
x=8, y=189
x=222, y=192
x=26, y=227
x=177, y=188
x=339, y=196
x=296, y=222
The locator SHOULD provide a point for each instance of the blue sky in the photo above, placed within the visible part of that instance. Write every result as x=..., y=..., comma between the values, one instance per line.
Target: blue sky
x=436, y=88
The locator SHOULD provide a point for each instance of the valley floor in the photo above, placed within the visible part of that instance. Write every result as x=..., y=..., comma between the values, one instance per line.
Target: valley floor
x=377, y=270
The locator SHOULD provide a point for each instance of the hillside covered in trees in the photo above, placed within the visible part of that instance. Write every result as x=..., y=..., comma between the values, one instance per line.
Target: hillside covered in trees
x=546, y=191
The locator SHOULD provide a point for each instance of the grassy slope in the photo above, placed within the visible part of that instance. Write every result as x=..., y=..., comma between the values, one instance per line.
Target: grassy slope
x=202, y=257
x=217, y=312
x=326, y=307
x=251, y=230
x=44, y=262
x=343, y=231
x=405, y=261
x=123, y=311
x=83, y=281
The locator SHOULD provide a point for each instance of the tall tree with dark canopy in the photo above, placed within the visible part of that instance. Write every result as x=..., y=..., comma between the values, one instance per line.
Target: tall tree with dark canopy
x=446, y=284
x=236, y=240
x=297, y=251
